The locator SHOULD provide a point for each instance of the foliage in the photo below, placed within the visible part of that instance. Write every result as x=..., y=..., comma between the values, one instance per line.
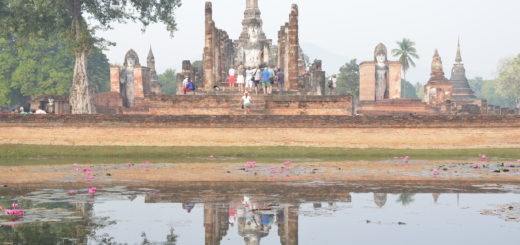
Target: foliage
x=348, y=79
x=42, y=66
x=488, y=90
x=508, y=81
x=408, y=90
x=419, y=90
x=406, y=199
x=167, y=80
x=406, y=53
x=40, y=17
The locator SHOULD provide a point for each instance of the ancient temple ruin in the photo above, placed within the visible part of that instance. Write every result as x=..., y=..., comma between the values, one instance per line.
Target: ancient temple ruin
x=253, y=49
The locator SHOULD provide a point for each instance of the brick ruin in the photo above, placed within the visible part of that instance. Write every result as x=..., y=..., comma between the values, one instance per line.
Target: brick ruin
x=441, y=96
x=253, y=49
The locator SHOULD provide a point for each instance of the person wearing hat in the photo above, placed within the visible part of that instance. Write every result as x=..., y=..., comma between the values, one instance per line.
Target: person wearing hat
x=246, y=102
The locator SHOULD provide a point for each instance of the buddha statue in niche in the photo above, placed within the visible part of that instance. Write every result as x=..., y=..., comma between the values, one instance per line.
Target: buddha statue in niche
x=127, y=78
x=382, y=71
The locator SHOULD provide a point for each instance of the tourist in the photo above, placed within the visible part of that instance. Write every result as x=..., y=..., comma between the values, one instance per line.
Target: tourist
x=185, y=84
x=232, y=78
x=249, y=79
x=271, y=79
x=266, y=83
x=40, y=111
x=257, y=75
x=246, y=102
x=281, y=81
x=332, y=84
x=241, y=78
x=190, y=86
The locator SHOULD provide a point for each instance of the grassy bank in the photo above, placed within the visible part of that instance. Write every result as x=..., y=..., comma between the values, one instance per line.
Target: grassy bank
x=38, y=154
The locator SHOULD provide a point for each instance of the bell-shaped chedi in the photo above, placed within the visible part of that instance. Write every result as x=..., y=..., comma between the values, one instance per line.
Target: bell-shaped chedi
x=438, y=90
x=461, y=89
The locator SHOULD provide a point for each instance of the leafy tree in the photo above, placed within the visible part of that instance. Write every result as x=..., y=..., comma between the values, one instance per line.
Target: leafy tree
x=408, y=90
x=348, y=79
x=38, y=17
x=508, y=81
x=167, y=80
x=406, y=199
x=419, y=90
x=488, y=90
x=42, y=66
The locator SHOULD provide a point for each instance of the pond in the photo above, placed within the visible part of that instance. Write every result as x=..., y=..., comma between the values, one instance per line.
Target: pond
x=298, y=213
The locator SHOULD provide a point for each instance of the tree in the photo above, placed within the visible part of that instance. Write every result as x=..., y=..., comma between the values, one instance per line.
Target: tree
x=39, y=17
x=419, y=90
x=406, y=53
x=408, y=90
x=167, y=80
x=488, y=90
x=348, y=79
x=508, y=81
x=42, y=66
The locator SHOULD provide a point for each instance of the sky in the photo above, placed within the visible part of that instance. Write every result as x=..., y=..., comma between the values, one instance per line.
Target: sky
x=336, y=31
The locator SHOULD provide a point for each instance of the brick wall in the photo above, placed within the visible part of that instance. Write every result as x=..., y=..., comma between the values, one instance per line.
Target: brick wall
x=260, y=121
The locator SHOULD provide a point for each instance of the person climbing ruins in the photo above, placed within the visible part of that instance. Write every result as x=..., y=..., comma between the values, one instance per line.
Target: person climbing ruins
x=240, y=78
x=249, y=79
x=281, y=81
x=266, y=83
x=246, y=102
x=232, y=78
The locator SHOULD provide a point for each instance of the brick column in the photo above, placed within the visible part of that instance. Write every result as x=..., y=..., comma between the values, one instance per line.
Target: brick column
x=294, y=49
x=115, y=79
x=209, y=48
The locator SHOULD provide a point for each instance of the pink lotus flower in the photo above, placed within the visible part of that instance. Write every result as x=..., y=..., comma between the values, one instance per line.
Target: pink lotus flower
x=406, y=158
x=518, y=160
x=287, y=163
x=130, y=164
x=92, y=191
x=250, y=164
x=88, y=173
x=72, y=192
x=14, y=205
x=1, y=208
x=142, y=165
x=475, y=165
x=15, y=212
x=436, y=172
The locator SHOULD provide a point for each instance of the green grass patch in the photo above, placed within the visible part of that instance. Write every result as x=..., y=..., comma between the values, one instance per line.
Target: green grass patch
x=42, y=155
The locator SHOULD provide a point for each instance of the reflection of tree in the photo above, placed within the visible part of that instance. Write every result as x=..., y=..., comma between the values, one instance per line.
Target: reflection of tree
x=171, y=239
x=406, y=199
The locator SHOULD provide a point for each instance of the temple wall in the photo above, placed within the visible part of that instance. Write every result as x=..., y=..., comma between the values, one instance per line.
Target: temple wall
x=394, y=79
x=367, y=81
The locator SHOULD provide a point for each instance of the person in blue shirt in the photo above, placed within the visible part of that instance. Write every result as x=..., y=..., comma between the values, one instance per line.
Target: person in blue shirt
x=266, y=82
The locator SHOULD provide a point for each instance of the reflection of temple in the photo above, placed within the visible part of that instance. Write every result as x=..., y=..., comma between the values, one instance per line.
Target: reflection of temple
x=215, y=222
x=380, y=199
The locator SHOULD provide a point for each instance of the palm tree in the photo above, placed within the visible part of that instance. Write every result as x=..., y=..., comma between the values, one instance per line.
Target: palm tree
x=406, y=53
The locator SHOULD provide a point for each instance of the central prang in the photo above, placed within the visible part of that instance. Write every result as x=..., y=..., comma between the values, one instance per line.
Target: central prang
x=252, y=48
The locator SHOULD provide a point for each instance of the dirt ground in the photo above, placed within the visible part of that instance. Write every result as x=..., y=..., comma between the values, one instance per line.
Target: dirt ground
x=392, y=170
x=422, y=138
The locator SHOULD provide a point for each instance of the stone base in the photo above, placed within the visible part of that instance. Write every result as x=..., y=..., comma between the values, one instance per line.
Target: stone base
x=230, y=104
x=394, y=107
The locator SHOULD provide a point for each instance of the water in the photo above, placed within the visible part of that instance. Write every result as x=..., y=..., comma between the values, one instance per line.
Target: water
x=301, y=214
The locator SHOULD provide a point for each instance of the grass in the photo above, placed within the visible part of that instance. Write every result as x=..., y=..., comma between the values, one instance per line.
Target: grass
x=12, y=155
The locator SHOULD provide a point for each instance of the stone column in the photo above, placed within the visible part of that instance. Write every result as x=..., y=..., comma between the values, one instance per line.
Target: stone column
x=209, y=48
x=294, y=49
x=138, y=82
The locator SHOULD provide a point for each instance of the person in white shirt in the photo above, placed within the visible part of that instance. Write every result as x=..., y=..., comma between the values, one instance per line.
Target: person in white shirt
x=40, y=111
x=246, y=102
x=249, y=79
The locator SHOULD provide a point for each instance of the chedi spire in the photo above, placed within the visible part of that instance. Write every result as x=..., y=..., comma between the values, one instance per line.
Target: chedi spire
x=461, y=88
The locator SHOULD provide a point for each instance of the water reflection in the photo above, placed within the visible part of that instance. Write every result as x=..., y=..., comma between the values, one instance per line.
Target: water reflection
x=120, y=216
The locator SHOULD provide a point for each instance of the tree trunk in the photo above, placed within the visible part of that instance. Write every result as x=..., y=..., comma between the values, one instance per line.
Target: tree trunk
x=81, y=93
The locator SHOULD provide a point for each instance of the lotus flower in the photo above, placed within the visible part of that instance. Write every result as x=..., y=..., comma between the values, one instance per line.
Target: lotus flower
x=287, y=163
x=250, y=164
x=72, y=192
x=1, y=208
x=130, y=164
x=475, y=165
x=406, y=158
x=14, y=205
x=436, y=172
x=88, y=173
x=92, y=191
x=87, y=169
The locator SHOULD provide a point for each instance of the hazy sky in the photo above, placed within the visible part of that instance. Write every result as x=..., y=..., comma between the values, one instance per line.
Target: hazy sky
x=339, y=30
